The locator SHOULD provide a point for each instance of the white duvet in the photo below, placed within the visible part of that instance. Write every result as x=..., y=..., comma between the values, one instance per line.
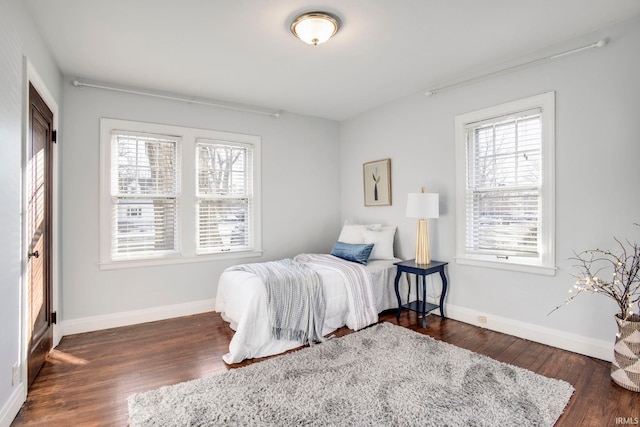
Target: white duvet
x=242, y=301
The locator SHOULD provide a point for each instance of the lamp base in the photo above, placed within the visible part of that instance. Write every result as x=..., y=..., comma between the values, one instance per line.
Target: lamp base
x=422, y=243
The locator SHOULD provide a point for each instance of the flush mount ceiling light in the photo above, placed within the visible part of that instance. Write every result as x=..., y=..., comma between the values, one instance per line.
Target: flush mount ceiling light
x=314, y=27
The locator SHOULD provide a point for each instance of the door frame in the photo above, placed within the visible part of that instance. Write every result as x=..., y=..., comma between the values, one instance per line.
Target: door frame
x=30, y=75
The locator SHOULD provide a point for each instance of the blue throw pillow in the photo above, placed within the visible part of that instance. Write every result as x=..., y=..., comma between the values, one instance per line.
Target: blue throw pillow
x=352, y=252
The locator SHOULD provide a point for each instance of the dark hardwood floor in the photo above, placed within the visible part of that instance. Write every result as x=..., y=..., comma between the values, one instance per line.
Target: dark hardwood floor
x=87, y=378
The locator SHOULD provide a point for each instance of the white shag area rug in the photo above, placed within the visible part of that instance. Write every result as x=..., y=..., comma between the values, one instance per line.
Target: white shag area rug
x=385, y=375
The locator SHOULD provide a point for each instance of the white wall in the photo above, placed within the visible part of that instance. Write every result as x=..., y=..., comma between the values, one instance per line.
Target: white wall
x=18, y=38
x=301, y=201
x=598, y=103
x=597, y=154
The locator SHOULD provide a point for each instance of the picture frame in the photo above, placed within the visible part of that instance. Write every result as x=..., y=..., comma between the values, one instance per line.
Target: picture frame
x=376, y=176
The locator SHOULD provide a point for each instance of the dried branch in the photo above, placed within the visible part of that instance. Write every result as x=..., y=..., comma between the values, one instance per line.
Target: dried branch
x=616, y=276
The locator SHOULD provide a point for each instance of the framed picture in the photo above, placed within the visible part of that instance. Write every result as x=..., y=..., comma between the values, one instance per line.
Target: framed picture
x=377, y=182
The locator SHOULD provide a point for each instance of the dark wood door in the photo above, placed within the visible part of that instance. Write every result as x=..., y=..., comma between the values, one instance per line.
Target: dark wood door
x=39, y=228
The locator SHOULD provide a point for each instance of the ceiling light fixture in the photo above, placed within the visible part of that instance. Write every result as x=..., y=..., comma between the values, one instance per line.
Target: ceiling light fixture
x=315, y=27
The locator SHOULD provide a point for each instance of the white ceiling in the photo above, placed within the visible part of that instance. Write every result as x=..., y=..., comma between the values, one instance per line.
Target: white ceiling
x=242, y=50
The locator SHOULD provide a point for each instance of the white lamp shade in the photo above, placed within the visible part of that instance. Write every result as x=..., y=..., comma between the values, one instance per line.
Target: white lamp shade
x=423, y=205
x=315, y=27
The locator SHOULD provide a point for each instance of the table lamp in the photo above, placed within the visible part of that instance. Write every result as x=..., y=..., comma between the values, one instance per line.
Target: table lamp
x=423, y=206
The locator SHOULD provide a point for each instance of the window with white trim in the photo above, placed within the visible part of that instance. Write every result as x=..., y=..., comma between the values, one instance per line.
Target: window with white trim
x=224, y=196
x=144, y=195
x=505, y=186
x=171, y=194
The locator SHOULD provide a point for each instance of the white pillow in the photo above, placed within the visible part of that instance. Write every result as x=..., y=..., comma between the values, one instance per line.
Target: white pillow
x=352, y=233
x=382, y=239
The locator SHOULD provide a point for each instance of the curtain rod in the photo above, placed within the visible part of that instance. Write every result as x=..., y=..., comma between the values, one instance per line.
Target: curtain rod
x=434, y=91
x=76, y=83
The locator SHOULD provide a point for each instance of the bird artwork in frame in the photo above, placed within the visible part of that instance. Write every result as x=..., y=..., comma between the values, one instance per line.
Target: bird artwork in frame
x=377, y=183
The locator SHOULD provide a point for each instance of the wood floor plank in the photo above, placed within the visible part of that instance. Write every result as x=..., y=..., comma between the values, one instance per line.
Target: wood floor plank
x=513, y=351
x=86, y=380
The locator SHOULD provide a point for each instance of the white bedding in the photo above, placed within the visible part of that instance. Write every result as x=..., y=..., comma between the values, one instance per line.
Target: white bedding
x=242, y=301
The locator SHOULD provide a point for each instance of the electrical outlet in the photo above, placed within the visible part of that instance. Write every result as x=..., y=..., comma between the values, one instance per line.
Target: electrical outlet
x=482, y=319
x=15, y=372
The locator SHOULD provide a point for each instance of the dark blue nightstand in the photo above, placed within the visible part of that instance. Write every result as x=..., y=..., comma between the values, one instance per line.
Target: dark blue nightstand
x=423, y=270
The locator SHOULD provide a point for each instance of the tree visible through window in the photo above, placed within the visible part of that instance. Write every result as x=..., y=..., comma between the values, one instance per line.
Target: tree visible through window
x=224, y=196
x=144, y=167
x=505, y=184
x=172, y=194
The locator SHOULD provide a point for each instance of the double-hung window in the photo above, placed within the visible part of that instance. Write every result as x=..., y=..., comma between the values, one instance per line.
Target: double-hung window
x=225, y=198
x=144, y=195
x=172, y=194
x=505, y=186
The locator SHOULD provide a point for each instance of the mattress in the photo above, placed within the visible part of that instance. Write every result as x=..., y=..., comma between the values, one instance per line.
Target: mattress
x=242, y=301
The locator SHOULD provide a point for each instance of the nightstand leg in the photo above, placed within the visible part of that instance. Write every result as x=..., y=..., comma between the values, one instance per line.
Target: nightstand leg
x=424, y=301
x=396, y=284
x=444, y=292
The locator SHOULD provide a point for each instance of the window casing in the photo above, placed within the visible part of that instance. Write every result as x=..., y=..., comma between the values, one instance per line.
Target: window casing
x=505, y=186
x=225, y=200
x=171, y=194
x=144, y=195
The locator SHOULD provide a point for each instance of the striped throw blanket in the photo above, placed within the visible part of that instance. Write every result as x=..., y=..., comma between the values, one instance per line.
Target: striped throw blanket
x=295, y=299
x=359, y=285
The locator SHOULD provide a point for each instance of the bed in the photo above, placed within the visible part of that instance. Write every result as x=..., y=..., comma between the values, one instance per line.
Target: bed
x=242, y=297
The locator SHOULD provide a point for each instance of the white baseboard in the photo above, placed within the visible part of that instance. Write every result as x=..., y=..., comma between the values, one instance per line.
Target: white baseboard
x=567, y=341
x=552, y=337
x=96, y=323
x=13, y=405
x=564, y=340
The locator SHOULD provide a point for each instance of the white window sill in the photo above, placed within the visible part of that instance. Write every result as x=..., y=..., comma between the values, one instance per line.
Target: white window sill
x=153, y=262
x=508, y=265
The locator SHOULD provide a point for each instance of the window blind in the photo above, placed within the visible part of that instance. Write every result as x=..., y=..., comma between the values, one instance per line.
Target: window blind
x=144, y=190
x=504, y=170
x=224, y=192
